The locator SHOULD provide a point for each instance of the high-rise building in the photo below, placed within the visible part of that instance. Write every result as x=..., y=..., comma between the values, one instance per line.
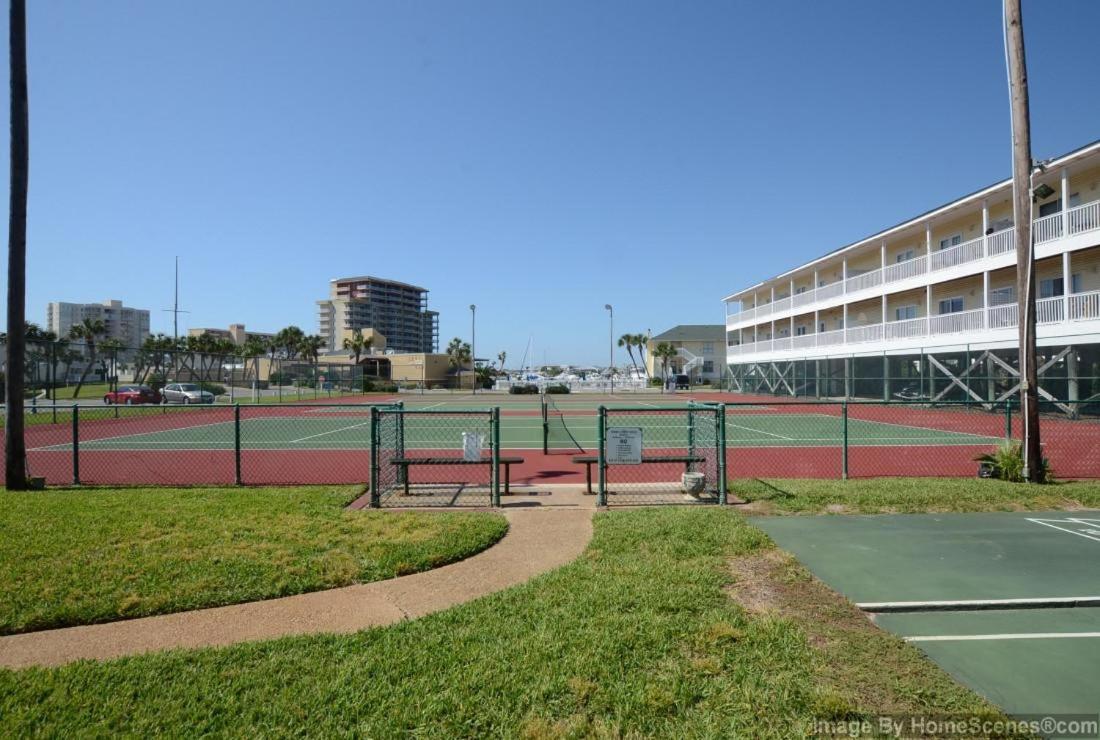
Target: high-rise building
x=398, y=311
x=130, y=326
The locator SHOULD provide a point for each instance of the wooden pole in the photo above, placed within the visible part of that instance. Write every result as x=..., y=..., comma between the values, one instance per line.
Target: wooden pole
x=1021, y=206
x=15, y=451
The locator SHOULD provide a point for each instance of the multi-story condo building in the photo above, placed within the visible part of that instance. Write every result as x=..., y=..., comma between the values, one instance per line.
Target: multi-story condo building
x=927, y=309
x=236, y=333
x=698, y=352
x=130, y=326
x=397, y=311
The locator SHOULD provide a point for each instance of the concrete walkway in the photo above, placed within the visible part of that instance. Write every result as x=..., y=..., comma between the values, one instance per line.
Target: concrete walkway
x=547, y=529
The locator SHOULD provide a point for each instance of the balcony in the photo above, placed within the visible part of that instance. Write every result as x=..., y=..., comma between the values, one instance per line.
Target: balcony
x=1077, y=220
x=1080, y=307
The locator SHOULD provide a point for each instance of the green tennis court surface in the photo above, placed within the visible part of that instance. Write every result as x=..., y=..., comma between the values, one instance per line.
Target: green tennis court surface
x=1007, y=603
x=333, y=430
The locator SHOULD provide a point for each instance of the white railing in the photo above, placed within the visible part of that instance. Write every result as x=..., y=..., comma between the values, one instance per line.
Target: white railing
x=763, y=309
x=804, y=340
x=903, y=270
x=1002, y=242
x=906, y=329
x=781, y=304
x=1050, y=310
x=781, y=344
x=801, y=299
x=864, y=281
x=953, y=323
x=1085, y=306
x=868, y=333
x=830, y=290
x=829, y=338
x=1003, y=316
x=1047, y=228
x=958, y=254
x=1084, y=218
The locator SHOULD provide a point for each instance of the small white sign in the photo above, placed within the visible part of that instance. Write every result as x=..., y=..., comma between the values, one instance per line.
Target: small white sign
x=624, y=446
x=471, y=445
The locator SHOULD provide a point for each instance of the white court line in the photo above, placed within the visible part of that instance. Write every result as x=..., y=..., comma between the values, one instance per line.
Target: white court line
x=962, y=604
x=331, y=431
x=1047, y=523
x=760, y=431
x=1005, y=636
x=906, y=426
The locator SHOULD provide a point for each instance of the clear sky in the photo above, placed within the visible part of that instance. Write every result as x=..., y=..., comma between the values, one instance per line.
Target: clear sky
x=537, y=159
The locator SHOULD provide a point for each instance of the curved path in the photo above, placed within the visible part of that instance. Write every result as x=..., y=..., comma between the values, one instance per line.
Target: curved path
x=540, y=537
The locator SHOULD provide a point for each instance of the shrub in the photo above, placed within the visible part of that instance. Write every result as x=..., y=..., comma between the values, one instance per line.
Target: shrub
x=1007, y=463
x=215, y=388
x=656, y=382
x=524, y=389
x=557, y=388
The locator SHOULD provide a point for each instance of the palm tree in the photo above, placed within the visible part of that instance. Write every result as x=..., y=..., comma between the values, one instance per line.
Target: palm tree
x=253, y=348
x=310, y=347
x=111, y=347
x=87, y=331
x=627, y=340
x=357, y=344
x=15, y=447
x=289, y=340
x=664, y=351
x=641, y=341
x=501, y=356
x=458, y=353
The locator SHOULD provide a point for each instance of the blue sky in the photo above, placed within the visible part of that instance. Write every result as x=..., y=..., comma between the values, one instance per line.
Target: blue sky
x=537, y=159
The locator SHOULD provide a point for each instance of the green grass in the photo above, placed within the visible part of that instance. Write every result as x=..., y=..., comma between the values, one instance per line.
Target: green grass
x=907, y=495
x=638, y=637
x=84, y=556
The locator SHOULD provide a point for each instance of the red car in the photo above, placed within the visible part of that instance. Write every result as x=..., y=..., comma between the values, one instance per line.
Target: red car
x=132, y=394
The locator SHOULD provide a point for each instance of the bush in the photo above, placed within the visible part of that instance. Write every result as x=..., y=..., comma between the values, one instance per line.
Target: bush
x=656, y=382
x=215, y=388
x=1007, y=463
x=557, y=388
x=520, y=389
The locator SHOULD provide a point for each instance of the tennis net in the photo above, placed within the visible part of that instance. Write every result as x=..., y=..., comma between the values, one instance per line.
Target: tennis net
x=556, y=434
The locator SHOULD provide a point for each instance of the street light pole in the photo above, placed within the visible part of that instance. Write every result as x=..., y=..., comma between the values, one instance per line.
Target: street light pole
x=473, y=343
x=611, y=344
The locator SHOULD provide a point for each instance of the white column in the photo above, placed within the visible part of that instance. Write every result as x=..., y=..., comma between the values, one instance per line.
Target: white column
x=1067, y=284
x=927, y=309
x=928, y=242
x=817, y=324
x=844, y=274
x=882, y=256
x=985, y=228
x=884, y=301
x=1065, y=208
x=985, y=296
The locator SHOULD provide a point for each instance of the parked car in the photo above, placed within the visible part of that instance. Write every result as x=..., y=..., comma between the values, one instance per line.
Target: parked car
x=682, y=381
x=909, y=392
x=186, y=393
x=132, y=394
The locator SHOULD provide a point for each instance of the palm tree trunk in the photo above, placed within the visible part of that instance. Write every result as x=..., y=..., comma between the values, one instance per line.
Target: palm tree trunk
x=15, y=450
x=87, y=368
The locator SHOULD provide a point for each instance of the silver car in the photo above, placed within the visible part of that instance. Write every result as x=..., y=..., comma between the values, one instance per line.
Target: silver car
x=185, y=393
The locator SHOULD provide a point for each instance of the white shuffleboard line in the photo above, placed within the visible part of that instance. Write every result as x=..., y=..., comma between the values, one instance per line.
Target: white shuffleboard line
x=1004, y=636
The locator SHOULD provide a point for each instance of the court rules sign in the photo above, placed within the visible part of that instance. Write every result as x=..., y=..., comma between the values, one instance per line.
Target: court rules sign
x=624, y=446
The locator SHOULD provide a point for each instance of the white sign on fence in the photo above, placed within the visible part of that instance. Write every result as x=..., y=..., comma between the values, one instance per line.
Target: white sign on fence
x=471, y=445
x=624, y=445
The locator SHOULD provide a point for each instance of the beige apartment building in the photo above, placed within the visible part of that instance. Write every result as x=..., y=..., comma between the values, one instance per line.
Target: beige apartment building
x=398, y=311
x=700, y=352
x=236, y=333
x=128, y=325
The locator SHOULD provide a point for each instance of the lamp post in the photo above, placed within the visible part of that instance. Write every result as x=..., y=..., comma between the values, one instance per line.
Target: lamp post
x=611, y=344
x=473, y=343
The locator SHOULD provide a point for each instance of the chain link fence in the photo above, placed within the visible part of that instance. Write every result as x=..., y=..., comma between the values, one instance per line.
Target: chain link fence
x=660, y=455
x=425, y=457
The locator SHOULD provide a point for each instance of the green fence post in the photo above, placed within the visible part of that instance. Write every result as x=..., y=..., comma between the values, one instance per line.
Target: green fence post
x=399, y=442
x=76, y=444
x=237, y=443
x=1008, y=419
x=720, y=421
x=601, y=455
x=844, y=462
x=54, y=410
x=375, y=494
x=691, y=435
x=545, y=426
x=494, y=423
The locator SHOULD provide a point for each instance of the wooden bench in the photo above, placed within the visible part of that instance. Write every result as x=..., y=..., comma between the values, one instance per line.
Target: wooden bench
x=589, y=460
x=405, y=463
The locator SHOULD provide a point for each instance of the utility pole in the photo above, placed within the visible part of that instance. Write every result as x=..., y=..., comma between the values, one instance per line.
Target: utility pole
x=175, y=309
x=473, y=344
x=15, y=448
x=1021, y=207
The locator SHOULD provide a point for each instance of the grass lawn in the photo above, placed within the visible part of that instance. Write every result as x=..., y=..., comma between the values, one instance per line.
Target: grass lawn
x=96, y=555
x=909, y=495
x=657, y=630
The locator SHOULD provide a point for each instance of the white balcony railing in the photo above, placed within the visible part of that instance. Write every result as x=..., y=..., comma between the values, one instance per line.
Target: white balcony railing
x=803, y=298
x=1085, y=306
x=830, y=338
x=1003, y=317
x=830, y=291
x=781, y=305
x=1084, y=218
x=802, y=341
x=958, y=254
x=1047, y=228
x=906, y=328
x=864, y=281
x=1002, y=242
x=954, y=323
x=781, y=343
x=764, y=309
x=867, y=333
x=904, y=270
x=1050, y=310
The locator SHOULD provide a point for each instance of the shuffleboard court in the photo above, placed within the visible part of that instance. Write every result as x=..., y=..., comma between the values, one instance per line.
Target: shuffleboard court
x=1008, y=603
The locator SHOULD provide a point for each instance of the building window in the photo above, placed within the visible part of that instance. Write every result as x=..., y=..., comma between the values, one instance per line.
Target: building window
x=904, y=313
x=708, y=366
x=708, y=348
x=951, y=241
x=951, y=305
x=905, y=256
x=1048, y=209
x=800, y=291
x=1054, y=287
x=1002, y=296
x=800, y=331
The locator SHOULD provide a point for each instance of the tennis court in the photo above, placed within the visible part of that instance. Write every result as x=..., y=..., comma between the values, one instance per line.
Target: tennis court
x=1007, y=603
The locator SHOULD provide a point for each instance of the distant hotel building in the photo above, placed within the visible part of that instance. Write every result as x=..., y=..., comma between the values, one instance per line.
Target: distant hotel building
x=397, y=311
x=130, y=326
x=927, y=309
x=235, y=333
